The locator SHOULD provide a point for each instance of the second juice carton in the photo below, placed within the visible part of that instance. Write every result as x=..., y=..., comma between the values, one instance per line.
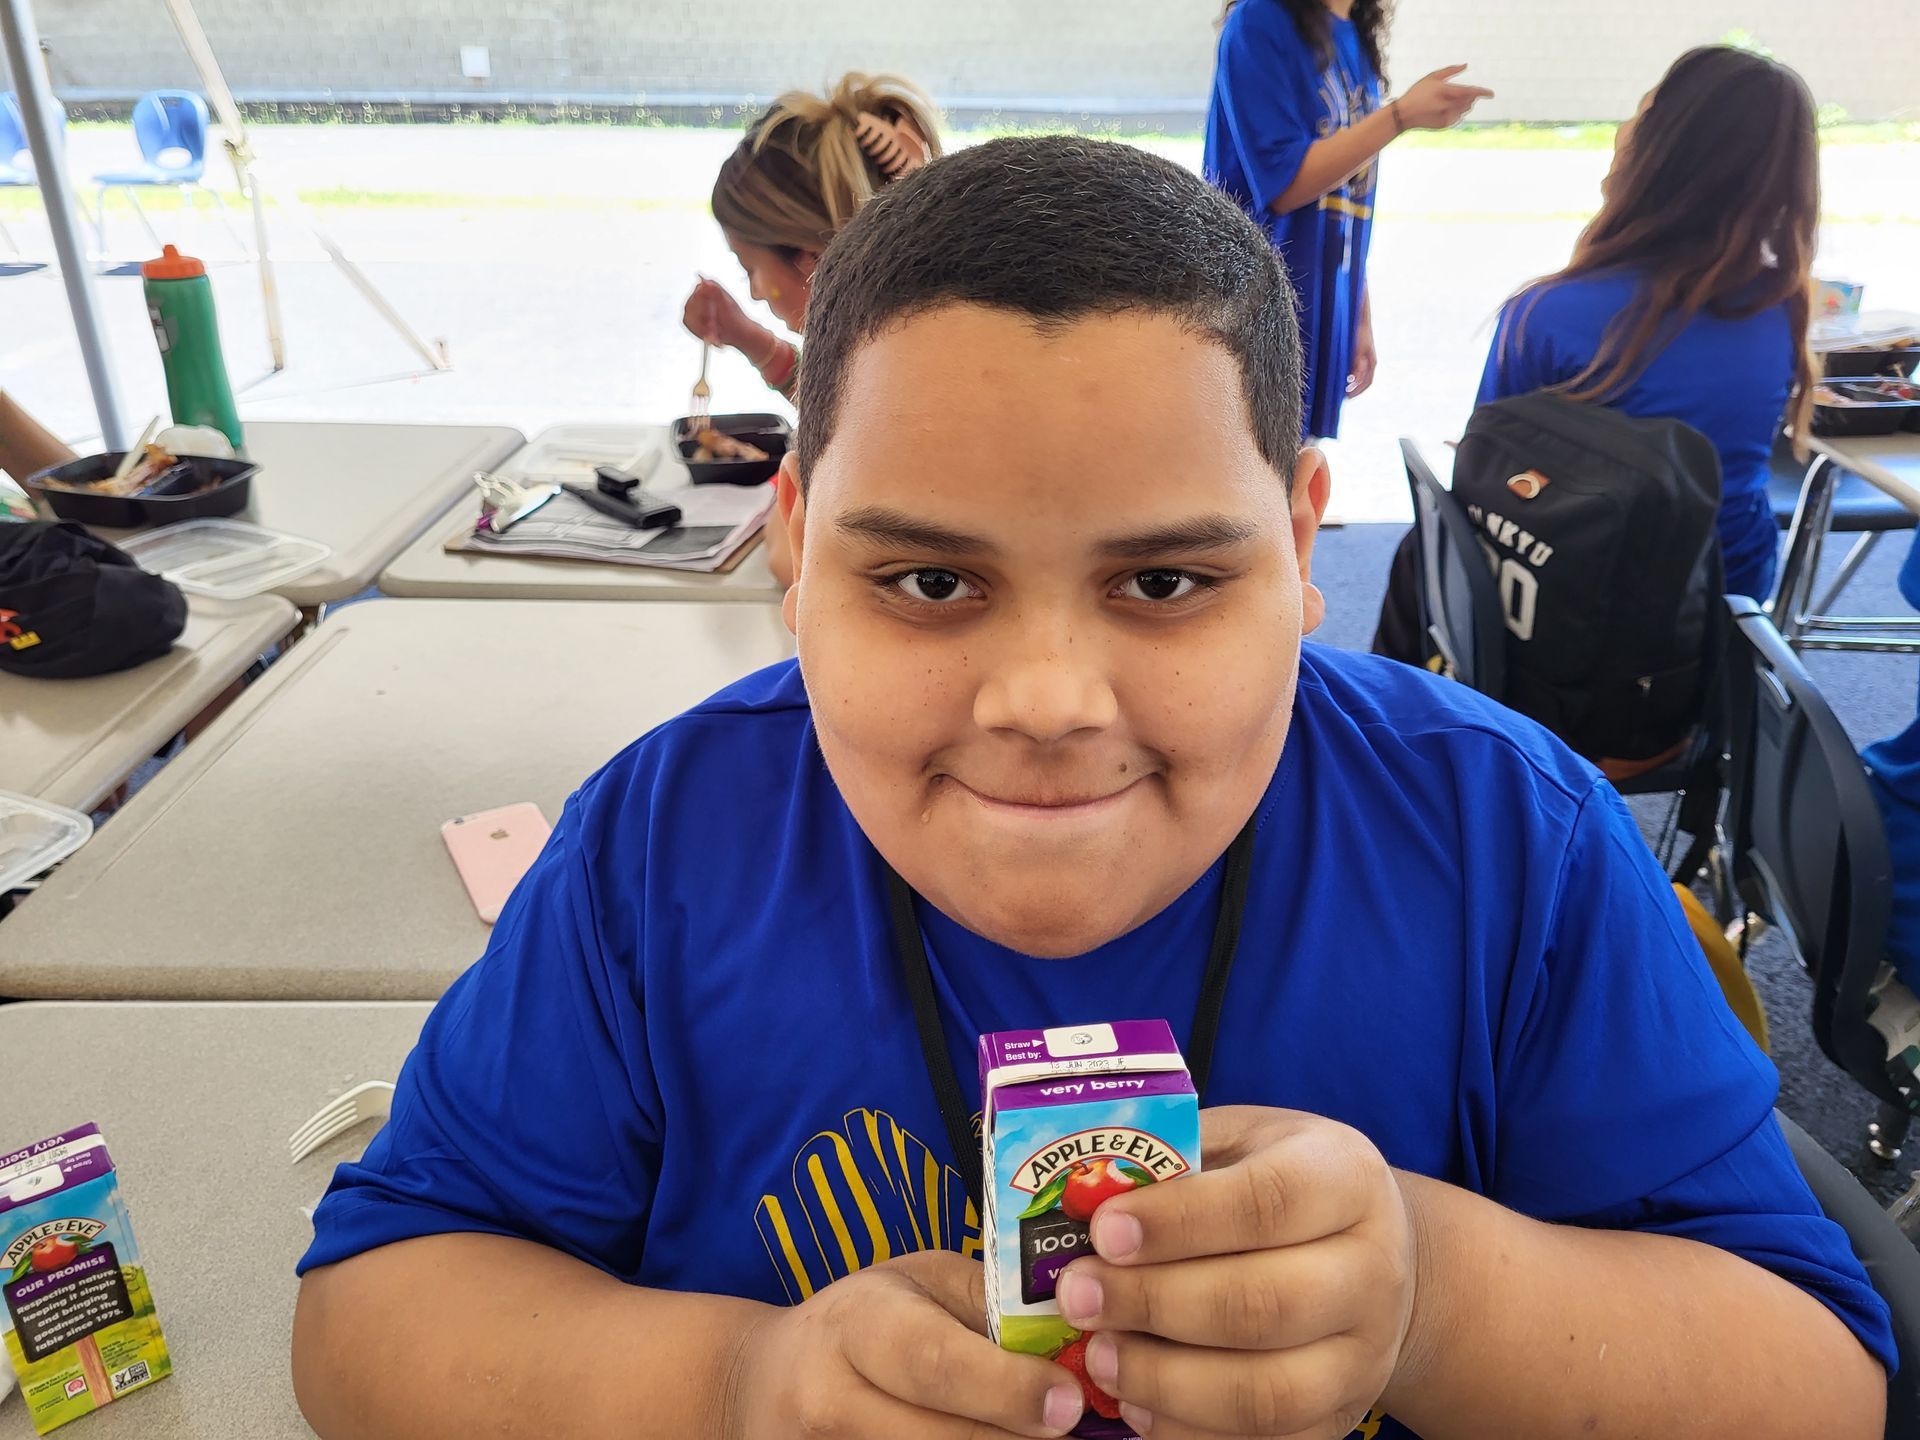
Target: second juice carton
x=76, y=1315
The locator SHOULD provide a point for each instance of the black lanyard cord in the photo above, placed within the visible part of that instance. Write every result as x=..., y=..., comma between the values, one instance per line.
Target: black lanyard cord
x=910, y=947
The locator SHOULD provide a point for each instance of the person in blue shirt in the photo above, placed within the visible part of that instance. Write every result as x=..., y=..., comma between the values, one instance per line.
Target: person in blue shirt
x=1688, y=296
x=1893, y=770
x=1485, y=1153
x=1294, y=128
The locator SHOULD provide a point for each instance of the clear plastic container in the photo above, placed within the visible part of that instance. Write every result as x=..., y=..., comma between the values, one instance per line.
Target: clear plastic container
x=572, y=452
x=225, y=559
x=36, y=836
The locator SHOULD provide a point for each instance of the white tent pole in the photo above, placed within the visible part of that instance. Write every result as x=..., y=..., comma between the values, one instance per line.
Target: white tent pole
x=22, y=39
x=194, y=36
x=269, y=283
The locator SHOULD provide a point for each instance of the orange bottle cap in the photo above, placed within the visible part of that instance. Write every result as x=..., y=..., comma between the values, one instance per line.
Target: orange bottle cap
x=172, y=265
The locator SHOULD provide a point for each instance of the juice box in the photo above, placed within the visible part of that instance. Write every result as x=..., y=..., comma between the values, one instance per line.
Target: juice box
x=1070, y=1118
x=1837, y=297
x=80, y=1326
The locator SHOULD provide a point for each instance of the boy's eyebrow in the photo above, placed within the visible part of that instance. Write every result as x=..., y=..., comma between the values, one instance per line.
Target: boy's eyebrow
x=891, y=527
x=1202, y=532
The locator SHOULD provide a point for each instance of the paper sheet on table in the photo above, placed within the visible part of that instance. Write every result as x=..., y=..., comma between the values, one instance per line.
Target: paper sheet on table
x=567, y=528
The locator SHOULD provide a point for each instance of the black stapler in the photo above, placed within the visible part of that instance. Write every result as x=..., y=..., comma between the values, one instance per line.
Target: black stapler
x=618, y=494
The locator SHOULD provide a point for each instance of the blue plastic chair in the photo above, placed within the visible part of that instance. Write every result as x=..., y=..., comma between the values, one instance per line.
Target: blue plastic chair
x=16, y=165
x=13, y=143
x=171, y=128
x=1810, y=502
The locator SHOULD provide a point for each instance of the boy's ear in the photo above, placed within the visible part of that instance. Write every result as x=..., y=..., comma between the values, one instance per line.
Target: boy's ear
x=791, y=506
x=787, y=485
x=1312, y=484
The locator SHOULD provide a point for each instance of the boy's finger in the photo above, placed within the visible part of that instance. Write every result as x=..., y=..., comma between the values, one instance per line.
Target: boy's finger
x=907, y=1345
x=1447, y=72
x=1229, y=1133
x=1230, y=1302
x=954, y=1283
x=1470, y=92
x=1316, y=1390
x=1300, y=1187
x=875, y=1415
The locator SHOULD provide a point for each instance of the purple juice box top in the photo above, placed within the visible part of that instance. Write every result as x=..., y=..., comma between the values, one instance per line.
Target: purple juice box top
x=1015, y=1064
x=57, y=1163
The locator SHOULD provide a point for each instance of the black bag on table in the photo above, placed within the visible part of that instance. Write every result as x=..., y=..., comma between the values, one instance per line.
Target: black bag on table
x=72, y=605
x=1601, y=531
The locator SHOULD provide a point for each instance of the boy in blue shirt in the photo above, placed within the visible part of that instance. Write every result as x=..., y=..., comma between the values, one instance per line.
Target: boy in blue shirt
x=668, y=1161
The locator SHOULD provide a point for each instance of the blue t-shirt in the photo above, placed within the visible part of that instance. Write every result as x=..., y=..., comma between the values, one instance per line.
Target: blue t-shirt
x=1273, y=97
x=1893, y=769
x=687, y=1056
x=1729, y=378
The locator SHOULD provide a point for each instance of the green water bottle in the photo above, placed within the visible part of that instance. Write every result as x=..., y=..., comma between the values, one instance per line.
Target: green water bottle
x=180, y=303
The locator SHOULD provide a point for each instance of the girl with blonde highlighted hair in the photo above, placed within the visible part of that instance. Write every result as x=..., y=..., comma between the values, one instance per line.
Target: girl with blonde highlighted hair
x=802, y=171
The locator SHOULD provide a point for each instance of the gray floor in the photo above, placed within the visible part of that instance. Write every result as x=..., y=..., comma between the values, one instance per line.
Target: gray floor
x=1874, y=695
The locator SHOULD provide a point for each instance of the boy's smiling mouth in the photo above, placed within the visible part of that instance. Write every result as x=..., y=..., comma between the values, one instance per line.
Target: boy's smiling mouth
x=1047, y=803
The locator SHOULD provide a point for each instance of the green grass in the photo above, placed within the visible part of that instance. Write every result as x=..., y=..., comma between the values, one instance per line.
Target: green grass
x=1464, y=137
x=344, y=198
x=1835, y=128
x=1889, y=132
x=23, y=204
x=26, y=206
x=1513, y=137
x=20, y=204
x=1582, y=136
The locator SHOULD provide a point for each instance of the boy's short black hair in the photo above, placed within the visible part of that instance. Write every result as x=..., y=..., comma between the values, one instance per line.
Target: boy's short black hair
x=1057, y=228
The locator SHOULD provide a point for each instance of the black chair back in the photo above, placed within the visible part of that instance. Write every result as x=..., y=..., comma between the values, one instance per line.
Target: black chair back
x=1463, y=616
x=1809, y=849
x=1456, y=583
x=1890, y=1260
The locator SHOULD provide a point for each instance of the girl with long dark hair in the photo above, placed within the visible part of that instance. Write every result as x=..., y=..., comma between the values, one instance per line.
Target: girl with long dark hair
x=1688, y=296
x=1294, y=125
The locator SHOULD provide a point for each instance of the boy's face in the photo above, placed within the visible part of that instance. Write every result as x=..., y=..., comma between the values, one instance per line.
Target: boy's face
x=1049, y=615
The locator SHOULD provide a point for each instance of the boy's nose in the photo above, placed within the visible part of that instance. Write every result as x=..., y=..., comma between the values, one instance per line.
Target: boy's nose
x=1045, y=698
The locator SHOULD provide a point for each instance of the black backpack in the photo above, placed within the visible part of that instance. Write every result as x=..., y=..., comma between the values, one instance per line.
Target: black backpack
x=72, y=605
x=1601, y=532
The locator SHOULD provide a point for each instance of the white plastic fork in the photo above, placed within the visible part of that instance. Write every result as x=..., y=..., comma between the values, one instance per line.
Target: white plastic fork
x=370, y=1101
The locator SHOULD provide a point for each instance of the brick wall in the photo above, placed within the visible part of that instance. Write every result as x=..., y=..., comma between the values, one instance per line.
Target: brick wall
x=1549, y=59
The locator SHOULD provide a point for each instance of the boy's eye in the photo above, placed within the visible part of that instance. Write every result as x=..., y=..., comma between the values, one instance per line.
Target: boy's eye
x=933, y=586
x=1160, y=585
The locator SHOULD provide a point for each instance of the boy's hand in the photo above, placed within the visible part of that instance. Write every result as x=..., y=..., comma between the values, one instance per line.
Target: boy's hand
x=898, y=1349
x=1269, y=1295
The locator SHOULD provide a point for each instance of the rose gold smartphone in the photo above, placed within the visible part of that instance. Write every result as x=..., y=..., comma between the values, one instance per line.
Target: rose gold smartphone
x=493, y=849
